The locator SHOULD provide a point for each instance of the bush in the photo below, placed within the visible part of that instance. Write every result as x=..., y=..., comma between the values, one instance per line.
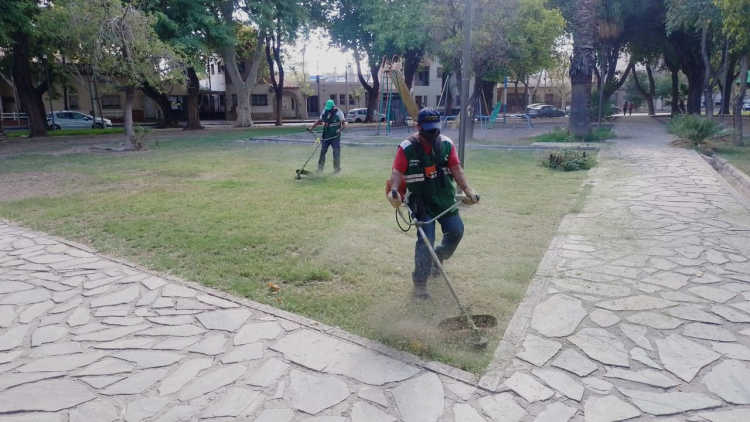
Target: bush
x=698, y=130
x=569, y=160
x=561, y=135
x=141, y=135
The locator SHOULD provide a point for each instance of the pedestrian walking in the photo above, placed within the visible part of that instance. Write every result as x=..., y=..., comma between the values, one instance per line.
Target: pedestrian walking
x=625, y=109
x=631, y=106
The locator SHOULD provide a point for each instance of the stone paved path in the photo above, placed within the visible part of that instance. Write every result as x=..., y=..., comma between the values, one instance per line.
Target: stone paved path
x=640, y=311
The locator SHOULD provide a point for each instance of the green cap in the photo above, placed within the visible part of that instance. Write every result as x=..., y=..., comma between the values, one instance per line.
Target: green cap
x=330, y=104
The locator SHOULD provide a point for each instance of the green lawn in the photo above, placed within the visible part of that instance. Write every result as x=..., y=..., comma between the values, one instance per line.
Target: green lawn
x=231, y=216
x=737, y=156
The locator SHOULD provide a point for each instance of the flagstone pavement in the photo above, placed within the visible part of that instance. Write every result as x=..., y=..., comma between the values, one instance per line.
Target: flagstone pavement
x=640, y=310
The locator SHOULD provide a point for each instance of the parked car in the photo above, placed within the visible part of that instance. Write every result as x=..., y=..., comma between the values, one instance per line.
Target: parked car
x=358, y=115
x=544, y=110
x=76, y=120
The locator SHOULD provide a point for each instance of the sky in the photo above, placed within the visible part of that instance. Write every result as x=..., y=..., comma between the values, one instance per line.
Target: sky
x=320, y=56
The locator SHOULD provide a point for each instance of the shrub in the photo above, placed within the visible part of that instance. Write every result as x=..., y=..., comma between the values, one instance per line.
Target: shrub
x=569, y=160
x=141, y=135
x=696, y=129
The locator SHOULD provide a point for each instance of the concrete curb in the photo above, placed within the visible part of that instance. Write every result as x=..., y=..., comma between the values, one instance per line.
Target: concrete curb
x=736, y=181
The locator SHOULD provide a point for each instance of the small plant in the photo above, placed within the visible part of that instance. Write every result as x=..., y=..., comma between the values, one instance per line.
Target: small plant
x=569, y=160
x=141, y=135
x=697, y=130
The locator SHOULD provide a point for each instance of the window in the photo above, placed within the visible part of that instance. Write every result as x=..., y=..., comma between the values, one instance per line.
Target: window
x=234, y=100
x=351, y=100
x=418, y=100
x=423, y=77
x=342, y=99
x=259, y=100
x=221, y=68
x=333, y=97
x=73, y=102
x=212, y=68
x=111, y=101
x=439, y=71
x=549, y=98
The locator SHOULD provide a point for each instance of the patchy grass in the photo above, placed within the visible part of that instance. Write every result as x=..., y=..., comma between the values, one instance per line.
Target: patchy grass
x=561, y=135
x=71, y=132
x=737, y=156
x=231, y=216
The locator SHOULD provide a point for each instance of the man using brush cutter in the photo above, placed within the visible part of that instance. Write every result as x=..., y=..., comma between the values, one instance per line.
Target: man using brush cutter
x=427, y=163
x=333, y=122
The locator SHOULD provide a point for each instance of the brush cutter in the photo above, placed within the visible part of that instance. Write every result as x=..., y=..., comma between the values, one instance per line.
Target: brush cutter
x=466, y=320
x=302, y=171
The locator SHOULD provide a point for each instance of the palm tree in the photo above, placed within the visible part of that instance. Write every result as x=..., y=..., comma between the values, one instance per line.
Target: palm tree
x=582, y=66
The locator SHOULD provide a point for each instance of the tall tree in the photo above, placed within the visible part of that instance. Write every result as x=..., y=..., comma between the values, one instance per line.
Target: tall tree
x=185, y=25
x=693, y=24
x=234, y=38
x=281, y=21
x=736, y=21
x=582, y=66
x=20, y=36
x=120, y=41
x=351, y=27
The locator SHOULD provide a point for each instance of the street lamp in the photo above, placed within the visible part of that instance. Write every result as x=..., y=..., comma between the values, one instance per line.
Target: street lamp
x=49, y=90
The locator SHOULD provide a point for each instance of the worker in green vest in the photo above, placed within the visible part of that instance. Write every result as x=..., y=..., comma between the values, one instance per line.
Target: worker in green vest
x=333, y=122
x=427, y=161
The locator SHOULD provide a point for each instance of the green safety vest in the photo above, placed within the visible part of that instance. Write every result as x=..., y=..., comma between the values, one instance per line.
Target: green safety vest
x=331, y=124
x=423, y=179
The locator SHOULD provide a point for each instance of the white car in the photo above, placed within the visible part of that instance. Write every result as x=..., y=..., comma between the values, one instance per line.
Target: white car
x=76, y=120
x=358, y=115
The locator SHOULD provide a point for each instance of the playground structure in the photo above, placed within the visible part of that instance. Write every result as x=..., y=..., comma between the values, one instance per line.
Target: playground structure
x=396, y=102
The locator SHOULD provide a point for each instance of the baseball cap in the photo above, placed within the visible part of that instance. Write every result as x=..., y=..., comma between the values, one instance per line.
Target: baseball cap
x=330, y=104
x=429, y=119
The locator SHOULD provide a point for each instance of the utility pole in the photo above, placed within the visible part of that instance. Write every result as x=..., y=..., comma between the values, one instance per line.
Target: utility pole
x=466, y=73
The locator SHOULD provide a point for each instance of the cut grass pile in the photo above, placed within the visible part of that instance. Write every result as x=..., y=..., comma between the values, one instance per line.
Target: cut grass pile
x=231, y=216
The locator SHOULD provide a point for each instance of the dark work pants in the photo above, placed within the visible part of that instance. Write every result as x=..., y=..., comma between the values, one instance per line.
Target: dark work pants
x=453, y=231
x=336, y=144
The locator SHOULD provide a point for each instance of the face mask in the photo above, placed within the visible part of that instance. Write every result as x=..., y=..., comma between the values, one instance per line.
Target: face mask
x=429, y=135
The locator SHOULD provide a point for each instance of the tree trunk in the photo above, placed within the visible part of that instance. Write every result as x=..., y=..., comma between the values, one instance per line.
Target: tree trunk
x=448, y=110
x=675, y=93
x=707, y=92
x=193, y=101
x=647, y=95
x=168, y=116
x=29, y=97
x=581, y=67
x=412, y=60
x=273, y=55
x=603, y=60
x=128, y=117
x=373, y=90
x=726, y=92
x=738, y=136
x=243, y=87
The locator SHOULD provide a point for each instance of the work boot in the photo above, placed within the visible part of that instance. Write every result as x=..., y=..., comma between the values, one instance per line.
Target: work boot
x=435, y=270
x=420, y=291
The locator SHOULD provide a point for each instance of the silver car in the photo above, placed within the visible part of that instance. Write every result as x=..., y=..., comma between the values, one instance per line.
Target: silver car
x=76, y=120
